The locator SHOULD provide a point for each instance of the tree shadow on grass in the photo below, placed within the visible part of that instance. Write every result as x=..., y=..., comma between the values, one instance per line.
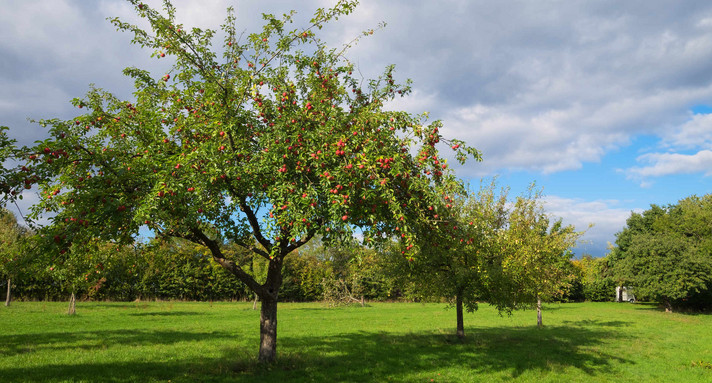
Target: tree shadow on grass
x=350, y=357
x=505, y=350
x=556, y=307
x=196, y=369
x=166, y=313
x=11, y=345
x=598, y=323
x=677, y=310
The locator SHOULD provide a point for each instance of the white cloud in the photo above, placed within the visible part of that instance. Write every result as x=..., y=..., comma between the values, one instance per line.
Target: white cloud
x=607, y=218
x=663, y=164
x=547, y=88
x=563, y=83
x=695, y=133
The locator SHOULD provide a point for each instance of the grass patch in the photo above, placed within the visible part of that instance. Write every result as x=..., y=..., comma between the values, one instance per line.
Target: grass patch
x=399, y=342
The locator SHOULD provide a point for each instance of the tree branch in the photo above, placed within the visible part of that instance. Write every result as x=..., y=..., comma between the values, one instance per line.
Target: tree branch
x=199, y=237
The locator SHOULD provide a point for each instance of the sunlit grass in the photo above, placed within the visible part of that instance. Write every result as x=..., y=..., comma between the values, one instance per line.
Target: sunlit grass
x=187, y=342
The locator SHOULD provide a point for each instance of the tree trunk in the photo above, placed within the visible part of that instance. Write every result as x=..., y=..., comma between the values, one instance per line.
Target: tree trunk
x=254, y=303
x=668, y=305
x=539, y=322
x=268, y=331
x=72, y=307
x=9, y=287
x=268, y=312
x=460, y=318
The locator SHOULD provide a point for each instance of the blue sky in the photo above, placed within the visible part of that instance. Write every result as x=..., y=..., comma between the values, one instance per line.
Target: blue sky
x=606, y=105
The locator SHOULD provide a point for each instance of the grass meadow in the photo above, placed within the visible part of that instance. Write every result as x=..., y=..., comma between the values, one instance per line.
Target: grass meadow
x=383, y=342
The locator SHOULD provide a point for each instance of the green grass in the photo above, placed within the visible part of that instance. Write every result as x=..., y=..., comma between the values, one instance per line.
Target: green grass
x=398, y=342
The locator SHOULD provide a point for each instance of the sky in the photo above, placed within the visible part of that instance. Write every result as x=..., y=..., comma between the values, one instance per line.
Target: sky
x=605, y=105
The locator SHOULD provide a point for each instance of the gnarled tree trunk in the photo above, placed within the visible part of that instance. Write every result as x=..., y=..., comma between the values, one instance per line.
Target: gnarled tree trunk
x=268, y=292
x=268, y=312
x=268, y=331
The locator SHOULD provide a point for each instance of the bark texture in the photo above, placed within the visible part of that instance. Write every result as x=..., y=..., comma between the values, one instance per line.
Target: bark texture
x=268, y=331
x=9, y=296
x=269, y=294
x=72, y=305
x=460, y=317
x=539, y=322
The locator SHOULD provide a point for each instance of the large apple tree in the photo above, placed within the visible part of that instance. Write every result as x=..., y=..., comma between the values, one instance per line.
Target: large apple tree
x=266, y=142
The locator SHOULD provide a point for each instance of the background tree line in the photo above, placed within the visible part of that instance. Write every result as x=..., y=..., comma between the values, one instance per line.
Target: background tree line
x=663, y=253
x=338, y=273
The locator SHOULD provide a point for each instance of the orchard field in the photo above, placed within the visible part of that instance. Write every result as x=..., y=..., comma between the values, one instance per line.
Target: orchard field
x=398, y=342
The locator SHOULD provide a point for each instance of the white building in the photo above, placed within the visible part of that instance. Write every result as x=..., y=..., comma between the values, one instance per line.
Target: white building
x=624, y=294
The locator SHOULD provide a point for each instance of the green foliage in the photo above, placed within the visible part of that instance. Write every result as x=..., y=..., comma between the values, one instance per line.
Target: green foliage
x=11, y=234
x=273, y=143
x=536, y=253
x=356, y=273
x=14, y=257
x=303, y=277
x=180, y=270
x=488, y=249
x=266, y=147
x=458, y=253
x=596, y=285
x=8, y=177
x=666, y=253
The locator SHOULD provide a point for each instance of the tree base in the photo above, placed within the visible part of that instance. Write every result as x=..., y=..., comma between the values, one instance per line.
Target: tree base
x=72, y=306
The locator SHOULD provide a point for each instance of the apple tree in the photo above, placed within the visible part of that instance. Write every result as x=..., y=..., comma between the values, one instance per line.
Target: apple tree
x=265, y=143
x=486, y=248
x=458, y=253
x=536, y=254
x=82, y=268
x=12, y=256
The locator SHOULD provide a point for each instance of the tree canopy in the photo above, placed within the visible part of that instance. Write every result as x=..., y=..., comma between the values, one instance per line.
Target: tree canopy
x=507, y=253
x=12, y=257
x=264, y=143
x=665, y=253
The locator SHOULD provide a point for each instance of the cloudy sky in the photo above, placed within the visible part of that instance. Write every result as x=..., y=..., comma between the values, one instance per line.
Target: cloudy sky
x=606, y=105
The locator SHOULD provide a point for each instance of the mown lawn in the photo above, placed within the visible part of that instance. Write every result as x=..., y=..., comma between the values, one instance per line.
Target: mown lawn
x=398, y=342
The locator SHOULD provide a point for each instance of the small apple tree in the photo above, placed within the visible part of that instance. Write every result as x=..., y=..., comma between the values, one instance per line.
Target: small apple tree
x=487, y=248
x=12, y=256
x=536, y=254
x=272, y=143
x=458, y=257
